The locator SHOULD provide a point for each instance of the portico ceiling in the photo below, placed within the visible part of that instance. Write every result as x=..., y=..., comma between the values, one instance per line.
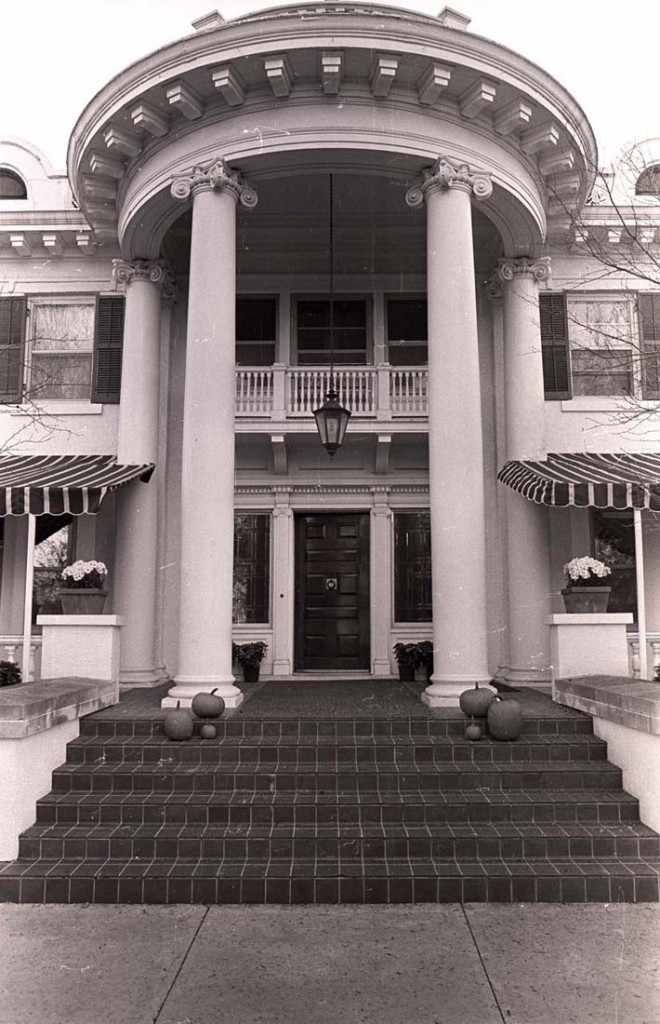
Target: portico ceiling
x=335, y=77
x=375, y=232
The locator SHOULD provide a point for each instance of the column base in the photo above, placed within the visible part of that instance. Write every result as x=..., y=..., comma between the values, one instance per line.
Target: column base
x=522, y=676
x=184, y=690
x=444, y=693
x=130, y=679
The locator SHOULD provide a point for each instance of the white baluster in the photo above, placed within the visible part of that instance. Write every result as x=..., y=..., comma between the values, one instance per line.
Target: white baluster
x=10, y=652
x=635, y=661
x=655, y=656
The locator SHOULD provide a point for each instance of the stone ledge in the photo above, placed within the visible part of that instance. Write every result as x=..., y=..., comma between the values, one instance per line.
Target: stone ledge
x=30, y=708
x=634, y=703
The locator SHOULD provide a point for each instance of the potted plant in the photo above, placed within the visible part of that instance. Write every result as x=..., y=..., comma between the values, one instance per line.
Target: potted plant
x=10, y=673
x=407, y=657
x=249, y=657
x=425, y=654
x=82, y=588
x=585, y=590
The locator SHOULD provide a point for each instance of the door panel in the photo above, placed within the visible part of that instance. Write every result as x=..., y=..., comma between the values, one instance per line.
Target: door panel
x=332, y=591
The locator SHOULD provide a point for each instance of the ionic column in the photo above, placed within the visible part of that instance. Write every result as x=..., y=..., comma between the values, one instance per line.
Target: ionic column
x=456, y=469
x=527, y=523
x=207, y=498
x=137, y=502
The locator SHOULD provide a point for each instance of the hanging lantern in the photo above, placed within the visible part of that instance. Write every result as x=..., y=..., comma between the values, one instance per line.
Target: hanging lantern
x=331, y=422
x=331, y=418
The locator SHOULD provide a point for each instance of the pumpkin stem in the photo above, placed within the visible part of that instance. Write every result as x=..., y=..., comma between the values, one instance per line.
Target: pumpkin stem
x=214, y=690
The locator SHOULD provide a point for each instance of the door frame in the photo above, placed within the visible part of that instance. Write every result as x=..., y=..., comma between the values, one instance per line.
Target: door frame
x=364, y=618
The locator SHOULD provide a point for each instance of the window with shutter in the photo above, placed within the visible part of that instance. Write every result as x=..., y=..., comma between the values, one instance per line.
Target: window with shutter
x=600, y=332
x=12, y=346
x=649, y=323
x=108, y=341
x=554, y=345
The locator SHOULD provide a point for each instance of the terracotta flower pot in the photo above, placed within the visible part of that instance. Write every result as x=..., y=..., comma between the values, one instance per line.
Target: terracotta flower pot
x=82, y=600
x=581, y=600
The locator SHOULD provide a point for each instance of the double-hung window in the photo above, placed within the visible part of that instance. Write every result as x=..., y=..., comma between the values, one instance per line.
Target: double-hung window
x=61, y=348
x=407, y=332
x=601, y=338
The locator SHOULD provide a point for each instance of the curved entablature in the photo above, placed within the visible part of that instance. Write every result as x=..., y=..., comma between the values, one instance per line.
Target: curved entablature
x=343, y=77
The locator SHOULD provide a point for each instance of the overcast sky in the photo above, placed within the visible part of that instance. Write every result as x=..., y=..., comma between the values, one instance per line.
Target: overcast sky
x=55, y=54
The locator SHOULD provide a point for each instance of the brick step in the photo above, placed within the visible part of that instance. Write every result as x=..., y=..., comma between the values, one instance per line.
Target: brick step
x=334, y=753
x=122, y=778
x=311, y=729
x=268, y=809
x=339, y=842
x=180, y=881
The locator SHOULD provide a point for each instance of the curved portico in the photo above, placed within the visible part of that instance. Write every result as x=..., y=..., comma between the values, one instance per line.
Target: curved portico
x=414, y=106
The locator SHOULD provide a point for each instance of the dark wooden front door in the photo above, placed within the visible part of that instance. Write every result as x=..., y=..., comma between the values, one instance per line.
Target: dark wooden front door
x=332, y=591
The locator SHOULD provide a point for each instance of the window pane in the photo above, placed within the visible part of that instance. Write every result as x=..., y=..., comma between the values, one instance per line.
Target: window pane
x=602, y=373
x=406, y=320
x=63, y=327
x=50, y=557
x=254, y=354
x=349, y=336
x=256, y=319
x=61, y=376
x=412, y=567
x=614, y=544
x=251, y=567
x=11, y=186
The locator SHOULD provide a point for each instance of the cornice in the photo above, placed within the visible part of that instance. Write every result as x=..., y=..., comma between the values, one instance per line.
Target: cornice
x=497, y=92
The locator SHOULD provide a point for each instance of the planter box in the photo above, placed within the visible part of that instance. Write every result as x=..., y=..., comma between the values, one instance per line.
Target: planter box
x=586, y=600
x=82, y=600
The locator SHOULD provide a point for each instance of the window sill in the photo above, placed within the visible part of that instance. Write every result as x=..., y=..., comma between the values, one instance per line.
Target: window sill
x=603, y=403
x=57, y=408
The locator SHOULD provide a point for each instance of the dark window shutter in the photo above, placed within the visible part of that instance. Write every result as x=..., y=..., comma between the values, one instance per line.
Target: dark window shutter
x=554, y=345
x=649, y=318
x=12, y=344
x=108, y=341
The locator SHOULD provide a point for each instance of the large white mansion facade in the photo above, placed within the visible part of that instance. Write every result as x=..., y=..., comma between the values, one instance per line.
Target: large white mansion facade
x=167, y=303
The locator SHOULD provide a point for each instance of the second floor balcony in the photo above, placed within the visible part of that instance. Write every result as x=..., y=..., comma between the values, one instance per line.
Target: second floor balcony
x=282, y=393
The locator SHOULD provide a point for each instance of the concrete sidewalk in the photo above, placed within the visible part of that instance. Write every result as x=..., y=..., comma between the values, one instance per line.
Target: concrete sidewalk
x=447, y=964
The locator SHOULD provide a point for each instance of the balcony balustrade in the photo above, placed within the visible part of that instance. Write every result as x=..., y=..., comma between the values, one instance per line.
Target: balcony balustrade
x=282, y=392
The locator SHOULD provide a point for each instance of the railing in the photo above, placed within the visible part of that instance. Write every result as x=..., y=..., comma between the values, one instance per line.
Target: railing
x=281, y=392
x=254, y=392
x=652, y=654
x=307, y=390
x=408, y=392
x=11, y=649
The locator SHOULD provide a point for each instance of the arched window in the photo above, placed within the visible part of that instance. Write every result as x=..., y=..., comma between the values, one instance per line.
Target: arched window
x=11, y=185
x=648, y=183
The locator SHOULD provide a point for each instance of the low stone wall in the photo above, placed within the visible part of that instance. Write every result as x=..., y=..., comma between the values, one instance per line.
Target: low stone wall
x=37, y=720
x=626, y=715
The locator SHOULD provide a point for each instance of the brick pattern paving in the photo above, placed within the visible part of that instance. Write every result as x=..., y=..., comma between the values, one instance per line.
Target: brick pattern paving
x=327, y=810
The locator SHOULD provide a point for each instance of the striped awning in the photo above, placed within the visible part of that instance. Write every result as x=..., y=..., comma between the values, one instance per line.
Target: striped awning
x=61, y=484
x=600, y=481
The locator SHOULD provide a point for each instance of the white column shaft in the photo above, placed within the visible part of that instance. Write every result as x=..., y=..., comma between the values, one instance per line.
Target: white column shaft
x=523, y=370
x=138, y=412
x=137, y=502
x=455, y=450
x=207, y=499
x=527, y=523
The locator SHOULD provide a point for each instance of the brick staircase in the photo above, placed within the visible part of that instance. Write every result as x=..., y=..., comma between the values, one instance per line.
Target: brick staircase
x=322, y=810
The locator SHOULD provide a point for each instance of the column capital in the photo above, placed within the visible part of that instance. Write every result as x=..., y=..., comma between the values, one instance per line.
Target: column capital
x=446, y=173
x=155, y=271
x=508, y=268
x=215, y=174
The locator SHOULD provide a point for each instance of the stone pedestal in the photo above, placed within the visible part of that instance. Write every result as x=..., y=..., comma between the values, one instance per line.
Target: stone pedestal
x=589, y=645
x=80, y=646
